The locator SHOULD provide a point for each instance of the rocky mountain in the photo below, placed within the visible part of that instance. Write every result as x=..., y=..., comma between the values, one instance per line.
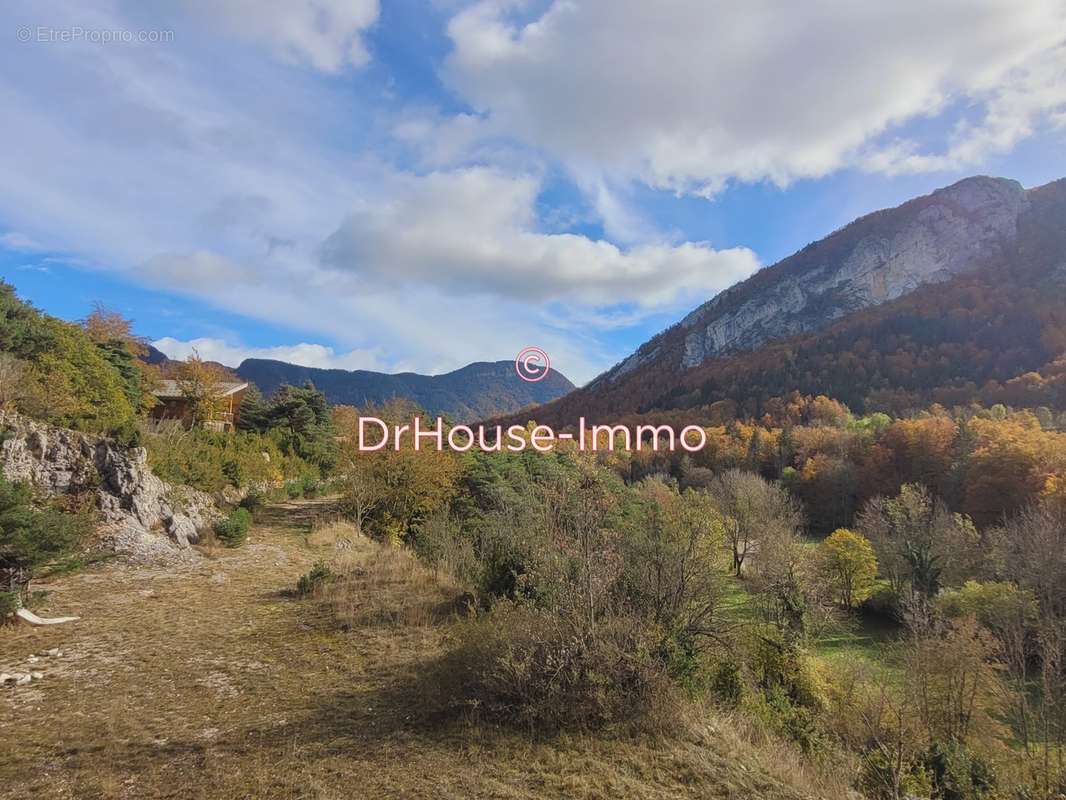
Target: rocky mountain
x=877, y=258
x=476, y=391
x=155, y=356
x=843, y=314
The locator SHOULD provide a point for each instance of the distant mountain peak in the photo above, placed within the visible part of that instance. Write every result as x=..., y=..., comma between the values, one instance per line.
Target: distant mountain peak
x=843, y=315
x=872, y=260
x=477, y=391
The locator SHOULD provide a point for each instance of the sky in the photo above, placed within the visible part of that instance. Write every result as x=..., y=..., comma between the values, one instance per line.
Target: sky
x=412, y=185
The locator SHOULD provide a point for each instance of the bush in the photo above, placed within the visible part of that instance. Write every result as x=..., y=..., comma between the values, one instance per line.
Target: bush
x=779, y=664
x=211, y=461
x=884, y=603
x=876, y=777
x=440, y=543
x=522, y=664
x=233, y=530
x=311, y=486
x=306, y=485
x=792, y=691
x=128, y=434
x=727, y=684
x=253, y=502
x=318, y=575
x=959, y=774
x=32, y=537
x=9, y=604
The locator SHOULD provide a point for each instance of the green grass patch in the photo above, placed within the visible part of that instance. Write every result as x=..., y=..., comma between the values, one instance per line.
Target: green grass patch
x=857, y=637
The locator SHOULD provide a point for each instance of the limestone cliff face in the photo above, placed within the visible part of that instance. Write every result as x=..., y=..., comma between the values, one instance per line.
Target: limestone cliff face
x=880, y=258
x=144, y=518
x=875, y=259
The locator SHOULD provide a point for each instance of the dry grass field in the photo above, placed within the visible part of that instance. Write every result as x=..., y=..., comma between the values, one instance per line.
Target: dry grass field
x=216, y=681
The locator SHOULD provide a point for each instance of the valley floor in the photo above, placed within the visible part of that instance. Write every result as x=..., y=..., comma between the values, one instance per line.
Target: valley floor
x=214, y=681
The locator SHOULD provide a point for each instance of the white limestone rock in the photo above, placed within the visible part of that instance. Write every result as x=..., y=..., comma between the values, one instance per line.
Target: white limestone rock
x=144, y=518
x=954, y=230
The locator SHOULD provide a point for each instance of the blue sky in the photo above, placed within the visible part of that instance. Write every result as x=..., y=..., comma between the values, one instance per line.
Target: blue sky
x=417, y=185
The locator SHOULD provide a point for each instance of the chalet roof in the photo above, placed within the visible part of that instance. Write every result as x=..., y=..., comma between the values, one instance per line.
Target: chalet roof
x=170, y=389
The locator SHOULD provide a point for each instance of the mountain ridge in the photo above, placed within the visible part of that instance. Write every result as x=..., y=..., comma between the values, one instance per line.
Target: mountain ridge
x=979, y=249
x=475, y=391
x=772, y=305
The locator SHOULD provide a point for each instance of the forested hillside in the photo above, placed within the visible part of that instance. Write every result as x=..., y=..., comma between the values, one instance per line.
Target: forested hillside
x=993, y=335
x=473, y=392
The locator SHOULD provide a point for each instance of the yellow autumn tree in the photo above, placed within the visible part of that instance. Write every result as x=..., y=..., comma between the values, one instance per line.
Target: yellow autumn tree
x=849, y=565
x=200, y=383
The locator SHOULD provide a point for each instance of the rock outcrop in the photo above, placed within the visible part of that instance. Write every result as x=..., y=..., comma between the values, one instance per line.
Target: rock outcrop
x=145, y=518
x=874, y=259
x=928, y=240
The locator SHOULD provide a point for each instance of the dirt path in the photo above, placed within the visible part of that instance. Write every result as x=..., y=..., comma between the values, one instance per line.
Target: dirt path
x=165, y=665
x=213, y=681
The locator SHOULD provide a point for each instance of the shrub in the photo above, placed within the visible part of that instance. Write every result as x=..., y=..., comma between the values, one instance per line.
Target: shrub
x=959, y=774
x=885, y=602
x=233, y=530
x=440, y=543
x=310, y=486
x=32, y=537
x=727, y=684
x=254, y=502
x=305, y=485
x=877, y=777
x=995, y=605
x=318, y=575
x=792, y=692
x=9, y=604
x=211, y=461
x=523, y=664
x=779, y=664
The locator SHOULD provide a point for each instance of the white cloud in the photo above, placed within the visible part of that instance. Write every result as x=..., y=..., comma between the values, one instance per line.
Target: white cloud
x=13, y=240
x=197, y=269
x=324, y=34
x=690, y=94
x=474, y=231
x=173, y=173
x=1030, y=95
x=304, y=354
x=218, y=171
